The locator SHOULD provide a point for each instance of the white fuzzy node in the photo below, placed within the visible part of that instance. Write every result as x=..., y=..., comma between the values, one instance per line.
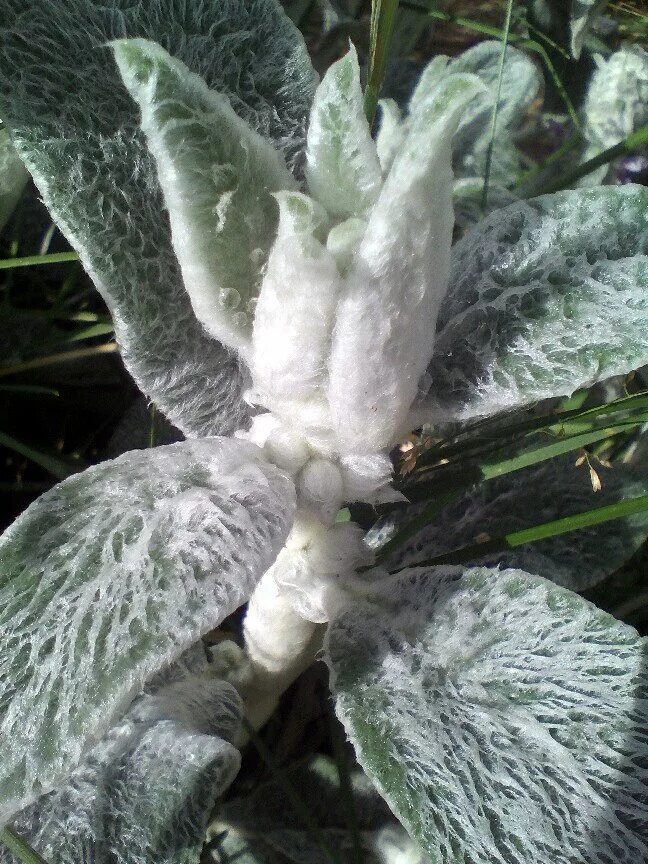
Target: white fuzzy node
x=320, y=486
x=261, y=428
x=317, y=565
x=287, y=450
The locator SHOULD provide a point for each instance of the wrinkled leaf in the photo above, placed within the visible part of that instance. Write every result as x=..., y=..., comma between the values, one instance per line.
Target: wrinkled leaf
x=342, y=167
x=77, y=130
x=504, y=718
x=146, y=791
x=545, y=296
x=217, y=175
x=550, y=491
x=385, y=324
x=13, y=178
x=110, y=575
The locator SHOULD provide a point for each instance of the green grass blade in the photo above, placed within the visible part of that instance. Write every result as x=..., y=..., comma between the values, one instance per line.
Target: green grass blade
x=499, y=468
x=447, y=483
x=447, y=478
x=580, y=520
x=566, y=525
x=498, y=94
x=54, y=359
x=28, y=389
x=91, y=332
x=630, y=409
x=58, y=466
x=630, y=144
x=383, y=17
x=36, y=260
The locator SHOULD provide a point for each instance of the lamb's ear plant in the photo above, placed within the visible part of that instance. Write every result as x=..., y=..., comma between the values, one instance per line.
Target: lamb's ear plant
x=502, y=717
x=521, y=83
x=616, y=104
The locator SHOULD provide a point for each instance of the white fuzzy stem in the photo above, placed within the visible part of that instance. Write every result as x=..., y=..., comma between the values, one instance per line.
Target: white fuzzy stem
x=279, y=644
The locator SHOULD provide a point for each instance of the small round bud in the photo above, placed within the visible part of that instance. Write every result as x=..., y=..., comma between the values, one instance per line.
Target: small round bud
x=287, y=450
x=321, y=487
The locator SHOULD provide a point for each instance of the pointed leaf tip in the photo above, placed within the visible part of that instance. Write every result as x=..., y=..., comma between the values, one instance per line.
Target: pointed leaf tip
x=342, y=167
x=217, y=175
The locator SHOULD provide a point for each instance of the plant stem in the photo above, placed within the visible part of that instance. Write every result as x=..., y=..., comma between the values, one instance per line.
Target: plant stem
x=383, y=16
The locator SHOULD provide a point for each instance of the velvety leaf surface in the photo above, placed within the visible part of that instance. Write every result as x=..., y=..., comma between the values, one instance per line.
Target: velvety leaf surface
x=112, y=574
x=217, y=175
x=146, y=791
x=552, y=490
x=384, y=329
x=77, y=130
x=545, y=296
x=13, y=177
x=342, y=167
x=505, y=719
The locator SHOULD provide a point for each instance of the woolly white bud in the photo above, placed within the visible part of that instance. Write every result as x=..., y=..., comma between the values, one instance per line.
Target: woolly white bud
x=287, y=450
x=262, y=426
x=320, y=486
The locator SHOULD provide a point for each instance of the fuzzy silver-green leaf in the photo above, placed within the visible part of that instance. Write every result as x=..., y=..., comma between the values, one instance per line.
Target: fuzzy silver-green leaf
x=504, y=719
x=217, y=175
x=77, y=130
x=146, y=791
x=112, y=574
x=545, y=296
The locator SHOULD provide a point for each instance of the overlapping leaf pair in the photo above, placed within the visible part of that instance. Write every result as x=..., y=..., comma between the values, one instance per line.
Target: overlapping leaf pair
x=502, y=716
